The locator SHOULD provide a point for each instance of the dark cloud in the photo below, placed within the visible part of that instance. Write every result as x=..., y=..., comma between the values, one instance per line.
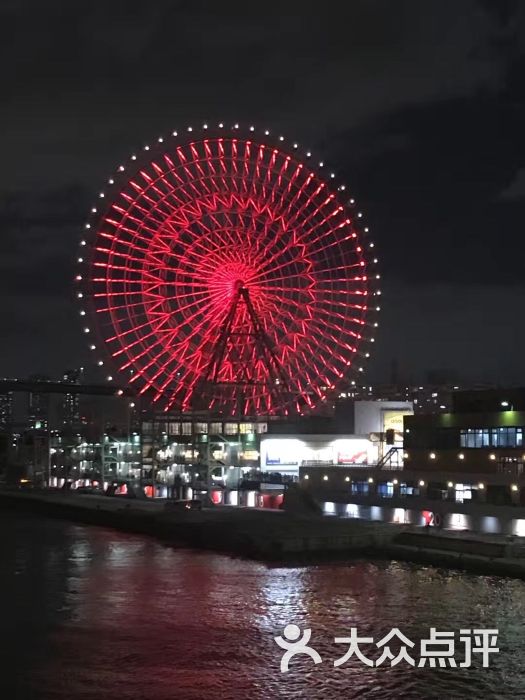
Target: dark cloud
x=420, y=105
x=516, y=188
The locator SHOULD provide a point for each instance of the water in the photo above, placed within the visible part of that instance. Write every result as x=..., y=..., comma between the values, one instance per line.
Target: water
x=90, y=613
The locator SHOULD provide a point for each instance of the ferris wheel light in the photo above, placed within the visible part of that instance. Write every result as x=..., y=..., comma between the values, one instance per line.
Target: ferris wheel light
x=78, y=278
x=366, y=230
x=232, y=168
x=160, y=139
x=87, y=225
x=174, y=133
x=352, y=201
x=146, y=147
x=79, y=295
x=221, y=125
x=86, y=330
x=80, y=260
x=101, y=194
x=82, y=313
x=266, y=132
x=121, y=168
x=308, y=154
x=378, y=308
x=82, y=242
x=371, y=244
x=94, y=210
x=111, y=181
x=109, y=378
x=372, y=340
x=359, y=214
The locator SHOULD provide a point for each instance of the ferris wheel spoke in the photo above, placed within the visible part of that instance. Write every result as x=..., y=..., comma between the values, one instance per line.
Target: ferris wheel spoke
x=195, y=224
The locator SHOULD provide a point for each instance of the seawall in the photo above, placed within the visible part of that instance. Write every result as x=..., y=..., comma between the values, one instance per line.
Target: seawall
x=277, y=536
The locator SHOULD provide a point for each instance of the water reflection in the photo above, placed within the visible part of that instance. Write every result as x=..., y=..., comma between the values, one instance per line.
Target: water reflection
x=90, y=613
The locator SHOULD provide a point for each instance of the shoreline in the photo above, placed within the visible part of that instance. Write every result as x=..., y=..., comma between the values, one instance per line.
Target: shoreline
x=279, y=537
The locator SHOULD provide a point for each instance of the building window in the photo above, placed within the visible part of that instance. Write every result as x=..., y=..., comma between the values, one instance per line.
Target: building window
x=230, y=428
x=463, y=492
x=215, y=428
x=200, y=428
x=360, y=487
x=262, y=427
x=174, y=428
x=186, y=428
x=385, y=490
x=491, y=437
x=245, y=428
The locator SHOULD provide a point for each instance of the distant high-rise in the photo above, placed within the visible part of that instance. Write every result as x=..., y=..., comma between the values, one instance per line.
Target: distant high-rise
x=6, y=409
x=70, y=404
x=38, y=406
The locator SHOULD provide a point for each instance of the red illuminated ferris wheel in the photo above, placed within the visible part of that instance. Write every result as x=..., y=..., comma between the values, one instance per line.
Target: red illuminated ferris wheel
x=223, y=273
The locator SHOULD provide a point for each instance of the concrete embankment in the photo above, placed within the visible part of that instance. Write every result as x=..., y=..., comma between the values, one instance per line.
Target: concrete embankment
x=490, y=555
x=268, y=535
x=277, y=536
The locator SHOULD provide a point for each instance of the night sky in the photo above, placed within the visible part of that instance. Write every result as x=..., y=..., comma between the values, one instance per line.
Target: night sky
x=420, y=106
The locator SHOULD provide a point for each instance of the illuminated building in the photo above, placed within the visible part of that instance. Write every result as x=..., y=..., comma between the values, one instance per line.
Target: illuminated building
x=6, y=410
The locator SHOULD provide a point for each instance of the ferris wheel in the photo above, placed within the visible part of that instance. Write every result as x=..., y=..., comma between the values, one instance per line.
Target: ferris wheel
x=222, y=271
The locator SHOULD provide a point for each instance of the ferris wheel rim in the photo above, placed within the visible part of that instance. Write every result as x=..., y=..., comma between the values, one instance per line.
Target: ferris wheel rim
x=193, y=137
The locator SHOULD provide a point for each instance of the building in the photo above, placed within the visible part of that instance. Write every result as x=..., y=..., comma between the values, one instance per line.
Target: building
x=426, y=398
x=6, y=410
x=482, y=434
x=70, y=402
x=462, y=470
x=38, y=404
